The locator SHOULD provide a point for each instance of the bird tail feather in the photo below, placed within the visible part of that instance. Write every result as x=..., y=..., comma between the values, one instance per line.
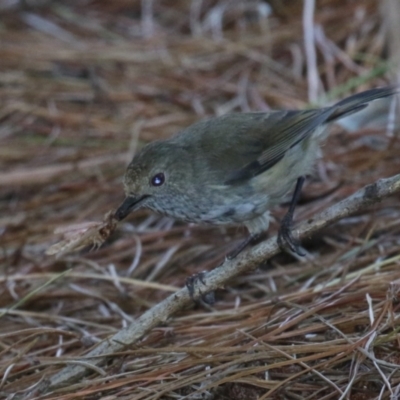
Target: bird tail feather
x=361, y=100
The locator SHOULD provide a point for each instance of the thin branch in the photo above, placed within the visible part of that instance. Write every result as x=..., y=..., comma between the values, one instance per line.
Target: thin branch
x=309, y=46
x=218, y=278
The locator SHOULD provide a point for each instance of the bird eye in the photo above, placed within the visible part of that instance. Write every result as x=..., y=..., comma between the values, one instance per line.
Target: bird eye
x=158, y=179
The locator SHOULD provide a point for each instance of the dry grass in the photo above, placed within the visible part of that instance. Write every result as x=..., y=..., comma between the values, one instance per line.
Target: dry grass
x=81, y=87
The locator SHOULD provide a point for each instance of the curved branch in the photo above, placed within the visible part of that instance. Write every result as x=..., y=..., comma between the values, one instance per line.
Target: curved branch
x=217, y=278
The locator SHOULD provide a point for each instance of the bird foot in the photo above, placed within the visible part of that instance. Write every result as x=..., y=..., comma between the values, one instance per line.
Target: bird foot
x=286, y=241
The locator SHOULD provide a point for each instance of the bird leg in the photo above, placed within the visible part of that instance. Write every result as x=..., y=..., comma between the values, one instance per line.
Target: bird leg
x=234, y=253
x=285, y=236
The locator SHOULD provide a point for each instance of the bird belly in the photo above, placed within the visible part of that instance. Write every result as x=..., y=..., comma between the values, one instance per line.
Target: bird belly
x=236, y=212
x=298, y=161
x=224, y=206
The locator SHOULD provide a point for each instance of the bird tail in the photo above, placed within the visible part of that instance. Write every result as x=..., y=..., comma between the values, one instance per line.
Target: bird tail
x=359, y=101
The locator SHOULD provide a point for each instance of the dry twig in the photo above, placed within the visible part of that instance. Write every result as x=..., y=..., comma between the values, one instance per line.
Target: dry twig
x=217, y=278
x=76, y=237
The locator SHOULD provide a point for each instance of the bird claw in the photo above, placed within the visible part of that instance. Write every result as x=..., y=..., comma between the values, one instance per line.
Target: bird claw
x=286, y=240
x=193, y=281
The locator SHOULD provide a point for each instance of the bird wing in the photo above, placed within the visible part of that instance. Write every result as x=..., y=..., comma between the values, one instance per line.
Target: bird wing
x=237, y=147
x=276, y=133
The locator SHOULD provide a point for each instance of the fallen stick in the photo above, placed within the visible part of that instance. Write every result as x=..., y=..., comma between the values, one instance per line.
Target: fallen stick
x=213, y=280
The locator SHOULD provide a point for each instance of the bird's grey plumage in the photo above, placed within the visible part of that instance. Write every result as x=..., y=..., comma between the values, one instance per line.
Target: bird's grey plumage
x=233, y=168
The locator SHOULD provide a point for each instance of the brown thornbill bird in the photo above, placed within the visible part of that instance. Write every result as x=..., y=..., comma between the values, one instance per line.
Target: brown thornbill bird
x=234, y=168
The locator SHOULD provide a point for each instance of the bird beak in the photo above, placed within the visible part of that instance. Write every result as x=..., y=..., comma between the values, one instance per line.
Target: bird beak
x=130, y=204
